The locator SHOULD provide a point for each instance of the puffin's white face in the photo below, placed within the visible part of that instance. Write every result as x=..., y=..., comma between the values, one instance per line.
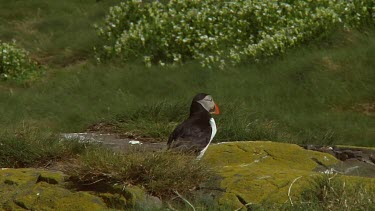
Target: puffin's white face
x=209, y=104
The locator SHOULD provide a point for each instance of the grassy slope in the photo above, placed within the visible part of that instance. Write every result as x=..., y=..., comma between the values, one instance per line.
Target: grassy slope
x=315, y=94
x=57, y=33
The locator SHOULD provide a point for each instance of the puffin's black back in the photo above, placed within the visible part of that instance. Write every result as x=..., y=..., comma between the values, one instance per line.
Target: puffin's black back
x=194, y=133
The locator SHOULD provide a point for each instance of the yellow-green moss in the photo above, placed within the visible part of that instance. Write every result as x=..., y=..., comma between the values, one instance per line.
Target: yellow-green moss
x=19, y=177
x=81, y=201
x=35, y=189
x=115, y=200
x=45, y=196
x=38, y=189
x=134, y=195
x=52, y=177
x=254, y=171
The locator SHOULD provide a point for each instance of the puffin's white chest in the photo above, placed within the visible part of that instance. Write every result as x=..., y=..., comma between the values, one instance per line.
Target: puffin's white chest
x=213, y=133
x=214, y=130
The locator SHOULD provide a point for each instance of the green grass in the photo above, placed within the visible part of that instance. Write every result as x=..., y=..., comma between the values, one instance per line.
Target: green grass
x=30, y=147
x=316, y=95
x=321, y=93
x=57, y=33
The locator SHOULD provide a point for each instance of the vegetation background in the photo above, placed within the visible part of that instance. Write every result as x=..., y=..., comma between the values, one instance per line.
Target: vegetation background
x=319, y=92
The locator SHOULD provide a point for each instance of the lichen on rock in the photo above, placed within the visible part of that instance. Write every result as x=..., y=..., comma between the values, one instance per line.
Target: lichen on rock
x=259, y=171
x=37, y=189
x=137, y=197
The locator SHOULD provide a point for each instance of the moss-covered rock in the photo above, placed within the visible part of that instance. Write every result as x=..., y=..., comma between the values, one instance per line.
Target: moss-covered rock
x=136, y=197
x=35, y=189
x=46, y=196
x=114, y=200
x=254, y=172
x=38, y=189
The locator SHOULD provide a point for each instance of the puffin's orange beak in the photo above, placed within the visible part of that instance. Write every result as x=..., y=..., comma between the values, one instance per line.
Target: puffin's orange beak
x=216, y=110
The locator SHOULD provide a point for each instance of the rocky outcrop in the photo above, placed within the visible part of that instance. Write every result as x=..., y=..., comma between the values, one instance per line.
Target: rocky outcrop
x=34, y=189
x=253, y=172
x=249, y=172
x=38, y=189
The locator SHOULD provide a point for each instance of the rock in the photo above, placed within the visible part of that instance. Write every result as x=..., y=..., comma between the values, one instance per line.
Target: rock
x=134, y=195
x=137, y=198
x=51, y=177
x=35, y=189
x=356, y=161
x=255, y=172
x=152, y=203
x=115, y=142
x=38, y=189
x=343, y=153
x=116, y=201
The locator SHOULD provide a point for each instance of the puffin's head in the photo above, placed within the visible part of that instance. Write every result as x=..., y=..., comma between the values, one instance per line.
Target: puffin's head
x=207, y=102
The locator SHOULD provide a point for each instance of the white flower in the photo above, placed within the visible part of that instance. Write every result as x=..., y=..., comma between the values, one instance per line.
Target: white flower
x=203, y=37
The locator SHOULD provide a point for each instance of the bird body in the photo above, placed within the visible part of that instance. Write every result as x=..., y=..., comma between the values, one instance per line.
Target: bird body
x=196, y=133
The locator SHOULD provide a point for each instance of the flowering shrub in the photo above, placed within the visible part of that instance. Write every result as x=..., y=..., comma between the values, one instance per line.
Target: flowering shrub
x=218, y=32
x=16, y=65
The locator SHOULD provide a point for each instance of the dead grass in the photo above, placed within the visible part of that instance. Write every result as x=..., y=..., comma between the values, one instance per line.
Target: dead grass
x=365, y=108
x=329, y=64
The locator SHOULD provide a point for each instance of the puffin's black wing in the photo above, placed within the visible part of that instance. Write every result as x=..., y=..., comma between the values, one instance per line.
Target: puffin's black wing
x=174, y=135
x=192, y=135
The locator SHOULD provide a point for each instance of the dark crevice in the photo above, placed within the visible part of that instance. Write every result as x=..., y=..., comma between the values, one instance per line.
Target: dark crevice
x=319, y=163
x=242, y=200
x=241, y=148
x=269, y=154
x=214, y=189
x=372, y=158
x=21, y=204
x=10, y=182
x=47, y=180
x=276, y=185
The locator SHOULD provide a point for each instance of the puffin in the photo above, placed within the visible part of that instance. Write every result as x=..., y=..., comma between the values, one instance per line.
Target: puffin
x=195, y=134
